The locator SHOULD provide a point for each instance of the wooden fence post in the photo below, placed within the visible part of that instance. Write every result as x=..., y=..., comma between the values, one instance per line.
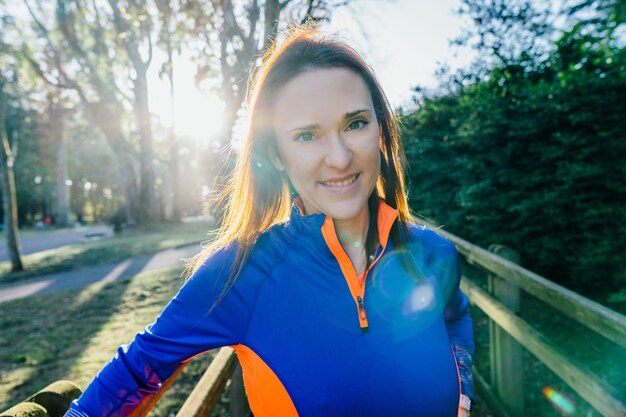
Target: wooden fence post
x=507, y=369
x=238, y=401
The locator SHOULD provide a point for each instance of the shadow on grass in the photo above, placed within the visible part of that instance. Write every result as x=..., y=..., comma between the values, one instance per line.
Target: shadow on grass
x=40, y=333
x=76, y=279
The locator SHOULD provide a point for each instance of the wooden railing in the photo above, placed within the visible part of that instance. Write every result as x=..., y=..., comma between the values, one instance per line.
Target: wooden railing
x=207, y=391
x=52, y=401
x=508, y=333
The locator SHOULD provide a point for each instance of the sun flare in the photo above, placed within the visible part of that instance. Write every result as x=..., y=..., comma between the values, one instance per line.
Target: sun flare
x=197, y=114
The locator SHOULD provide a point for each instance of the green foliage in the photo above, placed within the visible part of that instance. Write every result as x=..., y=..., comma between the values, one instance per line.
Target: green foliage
x=533, y=157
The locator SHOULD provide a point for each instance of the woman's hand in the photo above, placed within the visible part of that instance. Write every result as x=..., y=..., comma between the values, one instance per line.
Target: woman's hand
x=464, y=406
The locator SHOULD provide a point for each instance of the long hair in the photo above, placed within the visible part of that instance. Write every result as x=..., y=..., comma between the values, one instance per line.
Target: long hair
x=258, y=195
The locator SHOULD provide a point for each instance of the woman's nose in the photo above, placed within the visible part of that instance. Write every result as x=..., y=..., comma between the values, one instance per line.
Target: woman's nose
x=338, y=154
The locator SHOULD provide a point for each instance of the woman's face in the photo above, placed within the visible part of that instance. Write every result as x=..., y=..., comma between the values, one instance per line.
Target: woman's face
x=328, y=141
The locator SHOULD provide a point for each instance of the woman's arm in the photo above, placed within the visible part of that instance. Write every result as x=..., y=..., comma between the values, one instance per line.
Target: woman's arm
x=458, y=320
x=184, y=329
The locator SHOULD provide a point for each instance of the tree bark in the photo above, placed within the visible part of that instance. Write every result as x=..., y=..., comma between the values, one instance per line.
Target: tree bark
x=62, y=195
x=109, y=122
x=271, y=14
x=147, y=200
x=7, y=186
x=174, y=169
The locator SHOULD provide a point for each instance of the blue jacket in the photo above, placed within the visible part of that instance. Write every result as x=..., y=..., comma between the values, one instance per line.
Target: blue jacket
x=313, y=341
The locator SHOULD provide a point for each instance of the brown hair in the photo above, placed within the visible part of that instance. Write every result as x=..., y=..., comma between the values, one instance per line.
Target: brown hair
x=258, y=196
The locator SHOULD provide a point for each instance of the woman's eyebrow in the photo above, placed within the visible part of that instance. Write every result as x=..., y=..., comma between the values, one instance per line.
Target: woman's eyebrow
x=307, y=127
x=314, y=126
x=354, y=113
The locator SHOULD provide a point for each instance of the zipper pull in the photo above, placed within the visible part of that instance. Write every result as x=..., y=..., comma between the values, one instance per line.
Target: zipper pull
x=362, y=314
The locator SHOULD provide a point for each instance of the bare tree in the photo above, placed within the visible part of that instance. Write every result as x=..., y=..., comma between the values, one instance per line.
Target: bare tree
x=7, y=183
x=170, y=38
x=57, y=120
x=95, y=83
x=133, y=25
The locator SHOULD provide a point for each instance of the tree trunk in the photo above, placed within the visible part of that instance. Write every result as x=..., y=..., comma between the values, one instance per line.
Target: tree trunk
x=109, y=122
x=271, y=15
x=7, y=186
x=147, y=201
x=173, y=163
x=62, y=194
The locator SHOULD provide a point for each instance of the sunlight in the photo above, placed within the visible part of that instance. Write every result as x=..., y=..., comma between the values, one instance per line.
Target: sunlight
x=197, y=114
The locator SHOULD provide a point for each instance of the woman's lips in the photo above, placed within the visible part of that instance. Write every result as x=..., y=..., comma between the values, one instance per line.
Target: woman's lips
x=342, y=184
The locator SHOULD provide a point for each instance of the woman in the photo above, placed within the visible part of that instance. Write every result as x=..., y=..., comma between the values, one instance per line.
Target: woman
x=336, y=303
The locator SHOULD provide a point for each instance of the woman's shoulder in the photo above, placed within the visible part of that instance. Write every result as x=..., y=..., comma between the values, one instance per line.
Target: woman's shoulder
x=431, y=239
x=276, y=239
x=213, y=261
x=272, y=239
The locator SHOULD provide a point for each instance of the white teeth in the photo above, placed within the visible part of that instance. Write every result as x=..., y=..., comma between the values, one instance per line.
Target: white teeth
x=340, y=183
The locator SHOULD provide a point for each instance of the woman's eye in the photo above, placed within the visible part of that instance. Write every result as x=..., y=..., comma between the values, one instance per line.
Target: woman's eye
x=305, y=137
x=357, y=124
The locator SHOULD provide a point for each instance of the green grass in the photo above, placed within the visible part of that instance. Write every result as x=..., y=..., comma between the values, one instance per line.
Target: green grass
x=72, y=334
x=131, y=243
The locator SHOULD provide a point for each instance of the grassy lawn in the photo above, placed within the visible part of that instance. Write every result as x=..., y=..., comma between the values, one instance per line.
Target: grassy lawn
x=72, y=334
x=131, y=243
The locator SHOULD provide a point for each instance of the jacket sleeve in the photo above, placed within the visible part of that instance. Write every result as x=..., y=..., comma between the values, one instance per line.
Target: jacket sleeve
x=186, y=327
x=457, y=318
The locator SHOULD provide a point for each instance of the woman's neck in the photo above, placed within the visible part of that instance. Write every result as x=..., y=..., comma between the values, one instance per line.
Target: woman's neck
x=352, y=235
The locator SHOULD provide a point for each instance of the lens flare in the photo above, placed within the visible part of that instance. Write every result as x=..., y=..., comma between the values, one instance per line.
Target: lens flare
x=404, y=293
x=563, y=403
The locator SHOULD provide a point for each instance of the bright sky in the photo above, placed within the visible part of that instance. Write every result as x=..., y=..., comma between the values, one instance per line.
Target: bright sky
x=403, y=40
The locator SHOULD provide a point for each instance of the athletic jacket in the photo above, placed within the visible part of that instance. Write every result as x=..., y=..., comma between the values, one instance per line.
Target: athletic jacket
x=312, y=341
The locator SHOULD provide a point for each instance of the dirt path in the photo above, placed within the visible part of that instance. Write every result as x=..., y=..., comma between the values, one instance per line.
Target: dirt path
x=39, y=240
x=100, y=273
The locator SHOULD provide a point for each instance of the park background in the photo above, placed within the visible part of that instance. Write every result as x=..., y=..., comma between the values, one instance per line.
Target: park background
x=120, y=115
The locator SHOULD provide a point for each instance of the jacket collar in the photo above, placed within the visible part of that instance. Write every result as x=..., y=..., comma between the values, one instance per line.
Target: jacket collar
x=387, y=215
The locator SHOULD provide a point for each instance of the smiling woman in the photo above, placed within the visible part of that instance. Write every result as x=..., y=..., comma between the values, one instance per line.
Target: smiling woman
x=335, y=302
x=328, y=143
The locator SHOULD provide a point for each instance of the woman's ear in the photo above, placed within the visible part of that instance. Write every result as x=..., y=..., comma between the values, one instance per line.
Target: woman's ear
x=275, y=159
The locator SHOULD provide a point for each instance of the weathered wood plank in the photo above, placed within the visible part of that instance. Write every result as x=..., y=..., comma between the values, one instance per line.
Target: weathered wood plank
x=505, y=354
x=25, y=409
x=601, y=396
x=208, y=390
x=603, y=320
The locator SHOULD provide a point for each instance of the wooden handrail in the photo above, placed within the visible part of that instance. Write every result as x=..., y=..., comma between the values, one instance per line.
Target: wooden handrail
x=200, y=402
x=53, y=400
x=602, y=320
x=601, y=396
x=207, y=392
x=149, y=402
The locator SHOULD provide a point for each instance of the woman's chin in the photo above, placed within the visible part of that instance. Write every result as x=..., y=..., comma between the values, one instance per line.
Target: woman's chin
x=346, y=211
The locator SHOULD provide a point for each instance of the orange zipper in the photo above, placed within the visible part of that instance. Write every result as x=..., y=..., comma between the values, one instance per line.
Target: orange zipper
x=356, y=289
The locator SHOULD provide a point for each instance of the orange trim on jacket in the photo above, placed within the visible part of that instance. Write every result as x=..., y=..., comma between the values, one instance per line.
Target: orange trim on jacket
x=386, y=217
x=266, y=393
